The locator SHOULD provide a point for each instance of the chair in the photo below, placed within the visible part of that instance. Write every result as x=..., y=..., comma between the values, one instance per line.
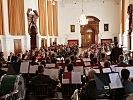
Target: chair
x=40, y=91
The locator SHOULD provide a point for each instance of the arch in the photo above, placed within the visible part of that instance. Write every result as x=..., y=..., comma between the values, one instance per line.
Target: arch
x=93, y=24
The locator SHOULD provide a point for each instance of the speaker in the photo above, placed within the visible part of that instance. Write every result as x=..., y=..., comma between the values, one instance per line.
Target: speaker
x=115, y=39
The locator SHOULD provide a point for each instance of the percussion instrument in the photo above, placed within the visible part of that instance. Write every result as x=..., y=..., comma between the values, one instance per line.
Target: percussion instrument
x=13, y=85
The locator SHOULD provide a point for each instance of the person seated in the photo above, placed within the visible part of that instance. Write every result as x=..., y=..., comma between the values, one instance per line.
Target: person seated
x=67, y=61
x=48, y=60
x=121, y=61
x=89, y=90
x=73, y=59
x=70, y=67
x=33, y=61
x=2, y=72
x=130, y=62
x=107, y=64
x=127, y=86
x=40, y=78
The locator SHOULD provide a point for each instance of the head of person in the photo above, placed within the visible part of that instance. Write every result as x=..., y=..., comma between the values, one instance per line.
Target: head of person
x=91, y=56
x=106, y=64
x=40, y=69
x=102, y=55
x=33, y=59
x=67, y=61
x=121, y=58
x=70, y=67
x=125, y=74
x=91, y=74
x=94, y=60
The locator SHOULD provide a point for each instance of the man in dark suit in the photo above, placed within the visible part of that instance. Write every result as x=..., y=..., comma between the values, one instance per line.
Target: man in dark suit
x=43, y=79
x=116, y=51
x=11, y=57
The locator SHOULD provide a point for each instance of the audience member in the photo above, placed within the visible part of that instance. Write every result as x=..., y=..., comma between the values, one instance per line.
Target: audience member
x=70, y=67
x=121, y=61
x=40, y=78
x=89, y=91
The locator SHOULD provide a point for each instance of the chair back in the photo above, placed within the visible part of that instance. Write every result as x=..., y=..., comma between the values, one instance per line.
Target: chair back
x=40, y=90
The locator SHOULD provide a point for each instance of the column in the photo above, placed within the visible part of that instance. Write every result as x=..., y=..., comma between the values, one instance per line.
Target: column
x=6, y=44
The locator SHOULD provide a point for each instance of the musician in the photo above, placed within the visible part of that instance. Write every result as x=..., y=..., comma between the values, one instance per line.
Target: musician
x=89, y=91
x=116, y=51
x=11, y=57
x=40, y=78
x=121, y=61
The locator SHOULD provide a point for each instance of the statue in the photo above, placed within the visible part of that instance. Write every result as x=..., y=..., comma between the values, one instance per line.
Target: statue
x=32, y=18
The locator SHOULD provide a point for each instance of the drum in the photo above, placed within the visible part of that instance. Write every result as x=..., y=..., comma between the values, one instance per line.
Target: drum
x=10, y=84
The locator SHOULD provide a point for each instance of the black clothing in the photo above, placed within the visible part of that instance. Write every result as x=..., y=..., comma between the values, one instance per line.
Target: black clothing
x=10, y=58
x=89, y=91
x=116, y=51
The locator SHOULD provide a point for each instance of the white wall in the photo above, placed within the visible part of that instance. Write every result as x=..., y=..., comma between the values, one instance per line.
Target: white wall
x=107, y=12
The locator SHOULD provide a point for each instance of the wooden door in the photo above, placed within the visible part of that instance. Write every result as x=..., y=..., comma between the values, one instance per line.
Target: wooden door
x=88, y=39
x=44, y=42
x=17, y=46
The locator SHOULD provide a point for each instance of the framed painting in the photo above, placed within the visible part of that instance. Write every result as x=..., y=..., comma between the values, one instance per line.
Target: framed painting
x=72, y=28
x=106, y=27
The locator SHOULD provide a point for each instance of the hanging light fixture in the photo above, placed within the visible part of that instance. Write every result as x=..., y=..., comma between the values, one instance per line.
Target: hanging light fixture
x=82, y=19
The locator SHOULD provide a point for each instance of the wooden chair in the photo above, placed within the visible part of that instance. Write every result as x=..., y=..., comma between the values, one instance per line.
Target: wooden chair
x=40, y=91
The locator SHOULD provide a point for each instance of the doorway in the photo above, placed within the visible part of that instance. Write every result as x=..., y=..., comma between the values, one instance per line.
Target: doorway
x=17, y=46
x=89, y=32
x=33, y=37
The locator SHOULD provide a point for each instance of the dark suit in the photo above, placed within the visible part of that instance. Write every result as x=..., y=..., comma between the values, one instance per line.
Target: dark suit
x=11, y=59
x=116, y=51
x=43, y=79
x=89, y=91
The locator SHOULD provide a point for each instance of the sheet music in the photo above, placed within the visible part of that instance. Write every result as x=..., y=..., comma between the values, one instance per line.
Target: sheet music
x=97, y=70
x=78, y=69
x=131, y=71
x=24, y=67
x=106, y=70
x=86, y=59
x=33, y=68
x=87, y=63
x=115, y=81
x=78, y=60
x=76, y=77
x=50, y=65
x=118, y=69
x=52, y=73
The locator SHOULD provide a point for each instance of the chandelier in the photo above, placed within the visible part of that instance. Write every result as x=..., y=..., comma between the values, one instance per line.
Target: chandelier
x=82, y=19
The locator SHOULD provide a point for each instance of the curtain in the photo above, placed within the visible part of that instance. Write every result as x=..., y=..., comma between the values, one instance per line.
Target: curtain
x=16, y=17
x=1, y=19
x=55, y=19
x=42, y=17
x=49, y=18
